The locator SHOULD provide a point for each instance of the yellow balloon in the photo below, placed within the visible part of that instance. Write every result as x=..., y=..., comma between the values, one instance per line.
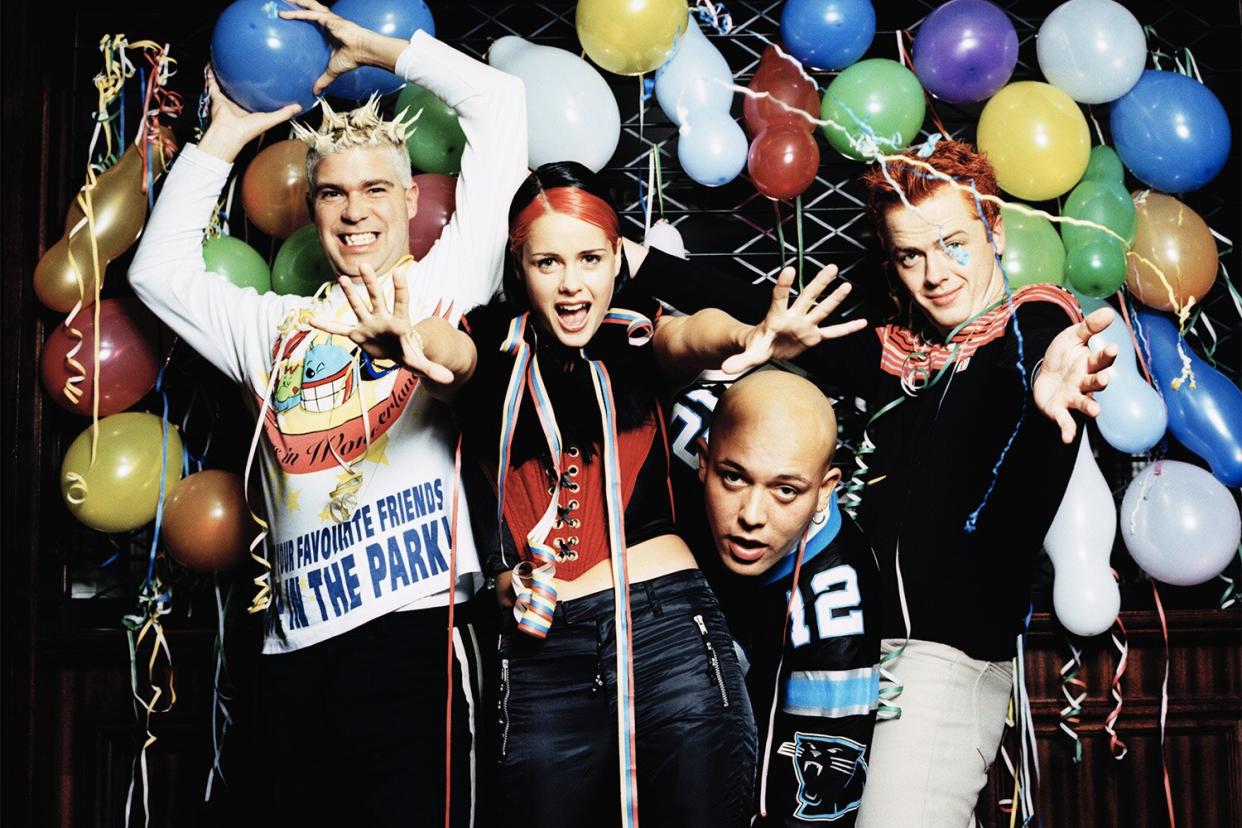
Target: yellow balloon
x=1036, y=138
x=120, y=491
x=630, y=37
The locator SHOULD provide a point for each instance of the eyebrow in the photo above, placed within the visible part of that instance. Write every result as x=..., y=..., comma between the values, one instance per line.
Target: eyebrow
x=372, y=182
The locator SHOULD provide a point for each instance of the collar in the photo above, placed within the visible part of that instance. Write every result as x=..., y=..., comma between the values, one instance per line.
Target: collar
x=822, y=535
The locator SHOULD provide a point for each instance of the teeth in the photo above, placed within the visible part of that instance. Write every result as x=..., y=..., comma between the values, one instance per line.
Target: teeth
x=571, y=308
x=355, y=239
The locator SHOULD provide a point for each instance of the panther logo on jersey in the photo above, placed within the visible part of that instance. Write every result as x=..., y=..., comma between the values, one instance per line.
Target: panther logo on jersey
x=831, y=773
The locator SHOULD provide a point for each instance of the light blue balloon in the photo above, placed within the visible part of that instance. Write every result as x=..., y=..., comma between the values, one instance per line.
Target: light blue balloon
x=1132, y=415
x=1207, y=419
x=712, y=148
x=689, y=77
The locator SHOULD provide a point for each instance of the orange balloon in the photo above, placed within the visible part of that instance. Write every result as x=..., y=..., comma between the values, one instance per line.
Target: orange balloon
x=207, y=526
x=119, y=209
x=1175, y=239
x=274, y=189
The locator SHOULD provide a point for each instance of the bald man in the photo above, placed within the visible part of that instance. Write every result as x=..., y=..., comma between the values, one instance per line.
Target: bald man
x=814, y=679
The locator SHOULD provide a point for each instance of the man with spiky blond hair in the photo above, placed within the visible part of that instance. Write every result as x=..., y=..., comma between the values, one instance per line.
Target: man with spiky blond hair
x=358, y=460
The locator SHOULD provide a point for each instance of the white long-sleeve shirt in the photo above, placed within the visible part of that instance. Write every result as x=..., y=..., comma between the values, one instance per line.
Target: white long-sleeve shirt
x=392, y=552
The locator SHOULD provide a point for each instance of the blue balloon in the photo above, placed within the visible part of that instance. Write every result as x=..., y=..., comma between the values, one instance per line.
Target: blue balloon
x=712, y=148
x=1207, y=419
x=1132, y=415
x=394, y=18
x=828, y=34
x=264, y=62
x=686, y=80
x=1171, y=132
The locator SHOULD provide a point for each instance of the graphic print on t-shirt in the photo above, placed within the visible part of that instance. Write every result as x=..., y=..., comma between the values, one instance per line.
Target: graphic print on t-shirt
x=324, y=382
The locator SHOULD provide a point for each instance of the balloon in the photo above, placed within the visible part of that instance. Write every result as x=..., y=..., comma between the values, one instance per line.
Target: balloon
x=301, y=267
x=238, y=262
x=783, y=161
x=965, y=51
x=877, y=101
x=393, y=18
x=784, y=81
x=630, y=37
x=207, y=525
x=1095, y=262
x=1132, y=416
x=436, y=144
x=1079, y=542
x=119, y=209
x=1204, y=415
x=1171, y=132
x=274, y=189
x=437, y=199
x=1033, y=251
x=1093, y=50
x=1179, y=523
x=264, y=62
x=1172, y=237
x=119, y=492
x=572, y=115
x=666, y=237
x=1036, y=139
x=712, y=148
x=828, y=34
x=129, y=357
x=686, y=81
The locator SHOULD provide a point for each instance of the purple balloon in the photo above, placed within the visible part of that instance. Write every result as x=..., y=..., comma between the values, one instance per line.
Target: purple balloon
x=965, y=51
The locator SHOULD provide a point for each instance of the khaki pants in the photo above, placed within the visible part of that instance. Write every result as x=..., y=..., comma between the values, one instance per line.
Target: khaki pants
x=928, y=767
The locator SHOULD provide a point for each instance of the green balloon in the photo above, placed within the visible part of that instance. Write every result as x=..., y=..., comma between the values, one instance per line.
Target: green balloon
x=1104, y=202
x=1096, y=267
x=437, y=141
x=878, y=98
x=1104, y=165
x=301, y=267
x=238, y=262
x=1033, y=251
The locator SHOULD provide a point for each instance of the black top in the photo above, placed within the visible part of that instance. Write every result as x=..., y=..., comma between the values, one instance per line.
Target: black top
x=933, y=465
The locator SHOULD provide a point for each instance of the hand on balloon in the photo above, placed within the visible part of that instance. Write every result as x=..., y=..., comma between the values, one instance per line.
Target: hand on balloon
x=232, y=127
x=382, y=332
x=1070, y=373
x=352, y=45
x=788, y=330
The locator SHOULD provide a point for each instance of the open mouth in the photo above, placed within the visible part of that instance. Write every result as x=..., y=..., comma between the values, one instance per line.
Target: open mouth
x=747, y=550
x=329, y=392
x=573, y=317
x=355, y=242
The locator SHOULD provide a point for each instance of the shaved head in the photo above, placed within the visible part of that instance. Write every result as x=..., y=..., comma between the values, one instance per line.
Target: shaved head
x=767, y=468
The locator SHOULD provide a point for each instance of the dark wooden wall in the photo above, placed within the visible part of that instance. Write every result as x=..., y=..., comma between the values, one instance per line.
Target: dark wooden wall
x=69, y=731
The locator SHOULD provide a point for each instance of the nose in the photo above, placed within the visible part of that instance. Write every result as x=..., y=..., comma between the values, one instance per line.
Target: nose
x=571, y=279
x=752, y=515
x=355, y=208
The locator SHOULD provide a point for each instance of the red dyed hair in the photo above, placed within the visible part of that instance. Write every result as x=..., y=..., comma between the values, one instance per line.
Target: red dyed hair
x=574, y=202
x=961, y=161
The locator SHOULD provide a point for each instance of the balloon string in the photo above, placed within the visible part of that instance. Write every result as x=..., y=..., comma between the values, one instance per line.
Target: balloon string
x=780, y=236
x=1142, y=359
x=220, y=717
x=1009, y=806
x=1120, y=640
x=798, y=227
x=929, y=101
x=1074, y=689
x=1229, y=597
x=1164, y=706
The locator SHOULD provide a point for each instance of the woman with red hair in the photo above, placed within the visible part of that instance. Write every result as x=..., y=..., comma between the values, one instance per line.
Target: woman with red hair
x=615, y=657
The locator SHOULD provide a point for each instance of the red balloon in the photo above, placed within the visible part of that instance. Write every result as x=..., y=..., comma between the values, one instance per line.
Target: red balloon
x=437, y=199
x=784, y=80
x=129, y=357
x=274, y=189
x=783, y=161
x=207, y=525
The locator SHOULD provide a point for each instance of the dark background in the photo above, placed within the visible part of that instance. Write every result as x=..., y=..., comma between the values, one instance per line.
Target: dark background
x=69, y=732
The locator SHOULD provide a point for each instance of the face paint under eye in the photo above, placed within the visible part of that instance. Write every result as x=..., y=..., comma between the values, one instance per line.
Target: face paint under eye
x=958, y=252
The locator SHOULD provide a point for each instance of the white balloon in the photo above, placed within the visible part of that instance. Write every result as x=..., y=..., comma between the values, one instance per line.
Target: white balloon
x=712, y=148
x=571, y=113
x=666, y=237
x=696, y=78
x=1093, y=50
x=1132, y=417
x=1180, y=523
x=1079, y=542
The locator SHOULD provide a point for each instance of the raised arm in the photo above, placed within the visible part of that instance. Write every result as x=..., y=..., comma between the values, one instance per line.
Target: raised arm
x=1070, y=372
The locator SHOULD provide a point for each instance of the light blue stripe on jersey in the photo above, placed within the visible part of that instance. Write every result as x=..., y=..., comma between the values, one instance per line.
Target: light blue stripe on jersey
x=815, y=544
x=832, y=693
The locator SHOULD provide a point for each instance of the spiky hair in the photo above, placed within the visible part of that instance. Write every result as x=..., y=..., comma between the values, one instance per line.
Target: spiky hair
x=360, y=127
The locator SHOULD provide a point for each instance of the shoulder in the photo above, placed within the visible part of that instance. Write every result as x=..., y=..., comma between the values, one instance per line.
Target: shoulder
x=489, y=324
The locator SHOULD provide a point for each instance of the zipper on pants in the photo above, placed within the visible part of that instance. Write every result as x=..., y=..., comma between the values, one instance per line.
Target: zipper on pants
x=503, y=704
x=713, y=662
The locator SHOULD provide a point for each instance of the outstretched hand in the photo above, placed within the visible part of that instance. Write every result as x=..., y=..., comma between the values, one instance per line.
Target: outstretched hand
x=232, y=127
x=384, y=332
x=788, y=330
x=352, y=45
x=1071, y=372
